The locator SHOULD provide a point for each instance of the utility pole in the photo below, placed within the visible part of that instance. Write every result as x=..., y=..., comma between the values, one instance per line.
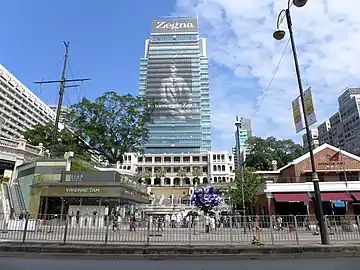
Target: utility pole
x=63, y=85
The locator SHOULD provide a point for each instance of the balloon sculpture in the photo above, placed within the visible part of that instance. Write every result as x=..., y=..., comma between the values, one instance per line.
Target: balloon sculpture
x=206, y=198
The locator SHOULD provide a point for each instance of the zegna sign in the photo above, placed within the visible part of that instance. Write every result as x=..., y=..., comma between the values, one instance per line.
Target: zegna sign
x=177, y=25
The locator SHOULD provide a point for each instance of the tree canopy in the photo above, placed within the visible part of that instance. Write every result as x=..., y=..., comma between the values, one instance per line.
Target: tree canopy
x=252, y=183
x=112, y=124
x=263, y=151
x=66, y=140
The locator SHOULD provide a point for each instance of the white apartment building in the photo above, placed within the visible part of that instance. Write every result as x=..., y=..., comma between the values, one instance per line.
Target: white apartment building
x=181, y=170
x=19, y=107
x=64, y=110
x=349, y=102
x=324, y=130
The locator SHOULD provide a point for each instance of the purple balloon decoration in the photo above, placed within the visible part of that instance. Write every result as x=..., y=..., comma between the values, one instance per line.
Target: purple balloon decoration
x=206, y=198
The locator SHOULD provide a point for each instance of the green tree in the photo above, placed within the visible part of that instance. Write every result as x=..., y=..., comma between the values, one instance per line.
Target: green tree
x=143, y=176
x=182, y=173
x=263, y=151
x=66, y=140
x=4, y=179
x=252, y=183
x=160, y=173
x=112, y=124
x=197, y=172
x=147, y=174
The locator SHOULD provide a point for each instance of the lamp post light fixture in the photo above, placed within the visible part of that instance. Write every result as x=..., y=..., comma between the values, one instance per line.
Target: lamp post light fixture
x=279, y=34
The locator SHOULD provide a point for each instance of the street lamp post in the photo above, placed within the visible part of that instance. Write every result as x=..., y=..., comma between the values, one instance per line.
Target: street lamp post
x=278, y=35
x=240, y=165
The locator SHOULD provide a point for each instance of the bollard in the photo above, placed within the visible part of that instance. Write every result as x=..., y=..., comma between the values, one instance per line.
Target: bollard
x=148, y=232
x=25, y=228
x=272, y=229
x=66, y=229
x=296, y=230
x=107, y=230
x=258, y=235
x=189, y=225
x=231, y=231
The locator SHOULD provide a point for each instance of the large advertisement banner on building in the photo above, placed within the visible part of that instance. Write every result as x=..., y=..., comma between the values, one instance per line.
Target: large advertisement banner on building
x=297, y=115
x=174, y=26
x=169, y=84
x=309, y=107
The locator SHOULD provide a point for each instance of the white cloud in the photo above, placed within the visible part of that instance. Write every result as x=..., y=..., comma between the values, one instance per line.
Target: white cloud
x=240, y=40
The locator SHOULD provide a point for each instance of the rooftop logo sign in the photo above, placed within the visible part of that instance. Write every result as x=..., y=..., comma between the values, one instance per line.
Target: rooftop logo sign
x=175, y=25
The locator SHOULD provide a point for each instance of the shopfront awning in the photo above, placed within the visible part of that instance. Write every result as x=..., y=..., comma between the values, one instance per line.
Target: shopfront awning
x=335, y=196
x=356, y=195
x=291, y=197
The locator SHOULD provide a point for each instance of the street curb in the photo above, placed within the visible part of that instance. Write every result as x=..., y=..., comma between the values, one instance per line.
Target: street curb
x=178, y=252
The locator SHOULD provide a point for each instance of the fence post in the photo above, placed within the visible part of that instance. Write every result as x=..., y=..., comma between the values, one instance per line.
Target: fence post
x=358, y=223
x=148, y=232
x=272, y=229
x=66, y=229
x=231, y=230
x=296, y=230
x=189, y=225
x=326, y=226
x=107, y=230
x=25, y=228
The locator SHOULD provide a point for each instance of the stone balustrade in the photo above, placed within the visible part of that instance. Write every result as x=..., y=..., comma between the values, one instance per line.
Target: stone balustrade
x=18, y=151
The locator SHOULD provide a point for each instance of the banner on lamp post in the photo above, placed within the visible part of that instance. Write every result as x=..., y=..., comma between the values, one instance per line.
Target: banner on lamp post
x=309, y=107
x=297, y=115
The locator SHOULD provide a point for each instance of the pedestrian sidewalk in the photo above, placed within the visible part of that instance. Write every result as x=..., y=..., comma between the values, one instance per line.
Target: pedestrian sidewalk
x=176, y=251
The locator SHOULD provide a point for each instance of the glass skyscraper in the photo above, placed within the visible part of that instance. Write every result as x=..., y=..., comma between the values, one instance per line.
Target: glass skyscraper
x=174, y=74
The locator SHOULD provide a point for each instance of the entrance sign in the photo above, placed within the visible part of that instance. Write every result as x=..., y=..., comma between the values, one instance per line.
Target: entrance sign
x=82, y=190
x=331, y=160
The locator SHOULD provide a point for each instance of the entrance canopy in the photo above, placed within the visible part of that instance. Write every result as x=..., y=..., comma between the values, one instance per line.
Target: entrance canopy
x=291, y=197
x=335, y=196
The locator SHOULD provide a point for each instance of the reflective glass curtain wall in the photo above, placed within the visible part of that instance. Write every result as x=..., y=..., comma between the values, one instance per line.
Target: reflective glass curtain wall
x=174, y=73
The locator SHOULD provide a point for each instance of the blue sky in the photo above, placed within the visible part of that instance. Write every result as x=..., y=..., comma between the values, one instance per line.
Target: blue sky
x=107, y=41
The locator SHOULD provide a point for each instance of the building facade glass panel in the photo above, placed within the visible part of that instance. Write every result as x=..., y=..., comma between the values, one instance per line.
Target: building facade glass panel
x=174, y=74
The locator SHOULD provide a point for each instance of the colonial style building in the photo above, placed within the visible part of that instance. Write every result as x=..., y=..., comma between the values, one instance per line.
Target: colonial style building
x=171, y=176
x=289, y=190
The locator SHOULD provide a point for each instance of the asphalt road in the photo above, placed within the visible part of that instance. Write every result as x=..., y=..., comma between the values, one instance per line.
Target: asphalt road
x=15, y=263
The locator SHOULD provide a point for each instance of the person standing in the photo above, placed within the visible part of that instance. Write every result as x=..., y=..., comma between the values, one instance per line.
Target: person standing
x=207, y=223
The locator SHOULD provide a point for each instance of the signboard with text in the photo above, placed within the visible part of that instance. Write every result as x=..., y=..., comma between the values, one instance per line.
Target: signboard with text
x=82, y=190
x=309, y=107
x=174, y=26
x=297, y=115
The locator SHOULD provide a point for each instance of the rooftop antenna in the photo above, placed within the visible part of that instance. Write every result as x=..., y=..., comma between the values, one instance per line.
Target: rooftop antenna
x=62, y=87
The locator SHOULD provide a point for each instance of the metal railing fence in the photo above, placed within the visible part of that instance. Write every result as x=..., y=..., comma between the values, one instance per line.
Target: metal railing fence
x=227, y=230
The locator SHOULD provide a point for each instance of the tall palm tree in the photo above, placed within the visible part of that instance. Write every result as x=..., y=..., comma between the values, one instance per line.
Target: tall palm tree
x=142, y=176
x=160, y=173
x=182, y=174
x=197, y=172
x=147, y=175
